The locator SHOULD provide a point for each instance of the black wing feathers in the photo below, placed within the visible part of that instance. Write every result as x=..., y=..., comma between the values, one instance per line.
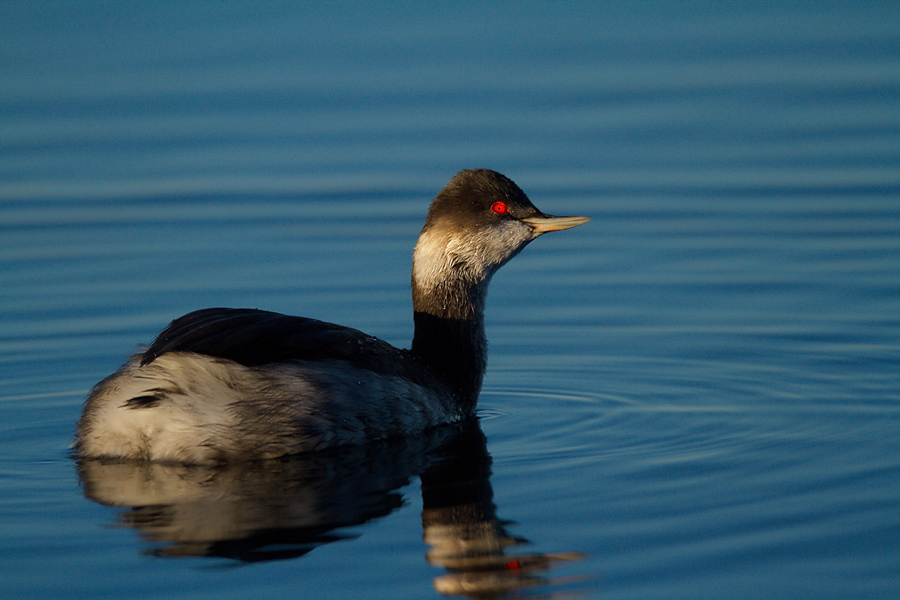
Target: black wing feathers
x=256, y=337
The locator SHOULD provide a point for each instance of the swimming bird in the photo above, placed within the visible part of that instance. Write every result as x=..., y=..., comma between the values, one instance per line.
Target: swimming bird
x=224, y=384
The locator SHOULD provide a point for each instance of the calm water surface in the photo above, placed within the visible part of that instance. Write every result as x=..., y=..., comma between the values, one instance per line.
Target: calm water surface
x=694, y=395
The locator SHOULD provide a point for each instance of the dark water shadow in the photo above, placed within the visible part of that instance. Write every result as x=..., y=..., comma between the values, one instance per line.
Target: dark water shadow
x=282, y=509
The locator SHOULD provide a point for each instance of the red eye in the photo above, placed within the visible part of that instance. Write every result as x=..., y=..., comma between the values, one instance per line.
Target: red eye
x=499, y=208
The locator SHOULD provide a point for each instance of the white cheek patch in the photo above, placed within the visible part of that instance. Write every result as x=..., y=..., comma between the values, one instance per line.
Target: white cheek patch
x=430, y=259
x=439, y=255
x=492, y=248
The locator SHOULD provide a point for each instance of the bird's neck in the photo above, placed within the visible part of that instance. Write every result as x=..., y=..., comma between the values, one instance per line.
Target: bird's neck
x=448, y=309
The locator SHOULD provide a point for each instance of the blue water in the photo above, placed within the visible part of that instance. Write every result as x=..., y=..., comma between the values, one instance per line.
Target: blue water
x=693, y=395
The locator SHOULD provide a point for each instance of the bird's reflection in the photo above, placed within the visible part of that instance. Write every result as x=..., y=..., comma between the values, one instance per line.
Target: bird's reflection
x=277, y=509
x=460, y=525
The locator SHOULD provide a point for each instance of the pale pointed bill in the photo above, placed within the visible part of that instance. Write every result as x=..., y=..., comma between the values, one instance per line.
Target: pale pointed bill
x=546, y=223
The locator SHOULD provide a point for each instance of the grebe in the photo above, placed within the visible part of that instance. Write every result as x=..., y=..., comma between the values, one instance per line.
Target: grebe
x=224, y=384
